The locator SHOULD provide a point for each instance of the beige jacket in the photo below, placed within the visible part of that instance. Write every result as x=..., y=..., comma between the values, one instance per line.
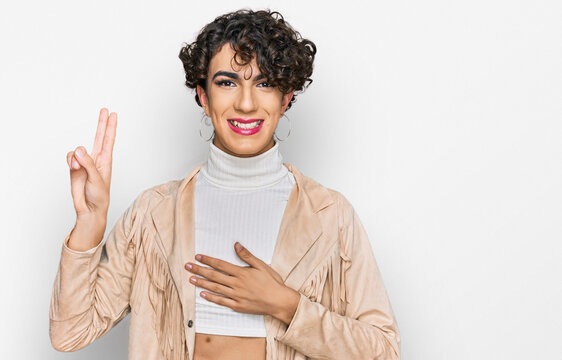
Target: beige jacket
x=322, y=251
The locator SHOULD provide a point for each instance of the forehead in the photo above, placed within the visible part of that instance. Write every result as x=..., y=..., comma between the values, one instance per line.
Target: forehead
x=223, y=60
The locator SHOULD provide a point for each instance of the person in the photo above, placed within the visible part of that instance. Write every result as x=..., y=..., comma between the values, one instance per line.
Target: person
x=245, y=257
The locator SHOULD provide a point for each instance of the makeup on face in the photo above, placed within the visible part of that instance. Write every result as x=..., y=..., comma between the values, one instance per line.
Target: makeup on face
x=241, y=126
x=244, y=106
x=245, y=126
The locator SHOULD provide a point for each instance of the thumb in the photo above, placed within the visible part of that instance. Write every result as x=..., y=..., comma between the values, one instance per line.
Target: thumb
x=87, y=163
x=78, y=178
x=247, y=256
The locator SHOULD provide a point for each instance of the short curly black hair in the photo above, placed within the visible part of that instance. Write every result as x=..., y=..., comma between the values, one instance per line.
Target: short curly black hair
x=282, y=55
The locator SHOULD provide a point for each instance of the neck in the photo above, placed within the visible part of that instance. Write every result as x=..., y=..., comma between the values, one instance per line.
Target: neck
x=234, y=172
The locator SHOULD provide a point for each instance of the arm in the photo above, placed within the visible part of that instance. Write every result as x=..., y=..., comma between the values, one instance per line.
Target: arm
x=368, y=329
x=92, y=288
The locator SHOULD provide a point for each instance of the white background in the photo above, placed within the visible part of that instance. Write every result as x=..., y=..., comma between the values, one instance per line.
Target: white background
x=440, y=121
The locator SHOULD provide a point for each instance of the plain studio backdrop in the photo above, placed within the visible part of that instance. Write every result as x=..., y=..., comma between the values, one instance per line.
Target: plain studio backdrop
x=440, y=121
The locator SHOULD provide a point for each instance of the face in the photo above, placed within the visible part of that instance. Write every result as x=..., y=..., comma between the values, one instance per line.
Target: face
x=241, y=96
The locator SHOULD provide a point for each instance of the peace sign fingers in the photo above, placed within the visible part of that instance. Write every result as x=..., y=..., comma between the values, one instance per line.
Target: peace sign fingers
x=103, y=143
x=100, y=133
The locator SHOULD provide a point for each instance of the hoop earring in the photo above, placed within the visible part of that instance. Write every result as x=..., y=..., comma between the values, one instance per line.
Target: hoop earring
x=206, y=118
x=286, y=137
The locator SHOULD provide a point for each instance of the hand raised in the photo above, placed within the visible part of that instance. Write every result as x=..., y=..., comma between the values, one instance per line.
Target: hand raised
x=90, y=175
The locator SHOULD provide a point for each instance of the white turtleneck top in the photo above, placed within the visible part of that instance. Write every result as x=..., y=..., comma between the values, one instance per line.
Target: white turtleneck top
x=237, y=199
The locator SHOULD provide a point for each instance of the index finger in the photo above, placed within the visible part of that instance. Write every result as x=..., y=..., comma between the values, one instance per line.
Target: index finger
x=224, y=266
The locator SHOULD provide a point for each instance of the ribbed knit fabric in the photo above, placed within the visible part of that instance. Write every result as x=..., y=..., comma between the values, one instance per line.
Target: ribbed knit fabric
x=238, y=199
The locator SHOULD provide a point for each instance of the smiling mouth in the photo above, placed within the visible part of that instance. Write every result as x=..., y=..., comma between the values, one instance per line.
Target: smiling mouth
x=250, y=125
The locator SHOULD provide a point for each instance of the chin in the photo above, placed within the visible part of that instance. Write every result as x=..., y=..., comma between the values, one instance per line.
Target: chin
x=248, y=147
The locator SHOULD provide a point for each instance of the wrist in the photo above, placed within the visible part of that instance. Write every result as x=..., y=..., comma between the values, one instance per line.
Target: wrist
x=92, y=219
x=289, y=303
x=86, y=234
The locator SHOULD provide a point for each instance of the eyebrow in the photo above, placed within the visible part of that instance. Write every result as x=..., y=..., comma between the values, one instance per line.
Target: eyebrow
x=234, y=75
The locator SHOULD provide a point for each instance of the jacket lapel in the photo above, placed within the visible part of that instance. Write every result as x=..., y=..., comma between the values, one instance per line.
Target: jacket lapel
x=174, y=222
x=173, y=218
x=300, y=225
x=300, y=229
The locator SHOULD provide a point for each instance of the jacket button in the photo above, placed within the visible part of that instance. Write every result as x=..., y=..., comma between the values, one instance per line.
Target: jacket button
x=190, y=323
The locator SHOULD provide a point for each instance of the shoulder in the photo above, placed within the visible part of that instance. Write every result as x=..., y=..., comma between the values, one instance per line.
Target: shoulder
x=151, y=196
x=331, y=198
x=341, y=221
x=169, y=188
x=338, y=198
x=344, y=209
x=354, y=241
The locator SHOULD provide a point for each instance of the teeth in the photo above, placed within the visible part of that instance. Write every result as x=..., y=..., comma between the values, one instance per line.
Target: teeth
x=246, y=126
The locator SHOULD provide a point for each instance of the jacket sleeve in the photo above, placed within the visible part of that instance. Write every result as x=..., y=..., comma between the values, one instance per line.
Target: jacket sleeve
x=92, y=288
x=368, y=330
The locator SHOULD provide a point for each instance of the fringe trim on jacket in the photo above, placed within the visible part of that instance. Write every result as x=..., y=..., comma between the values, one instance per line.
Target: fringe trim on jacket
x=165, y=301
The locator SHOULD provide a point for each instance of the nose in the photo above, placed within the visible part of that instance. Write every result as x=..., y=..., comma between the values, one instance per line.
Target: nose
x=246, y=102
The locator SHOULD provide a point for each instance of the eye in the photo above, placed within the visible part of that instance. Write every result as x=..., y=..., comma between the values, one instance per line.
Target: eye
x=226, y=83
x=265, y=84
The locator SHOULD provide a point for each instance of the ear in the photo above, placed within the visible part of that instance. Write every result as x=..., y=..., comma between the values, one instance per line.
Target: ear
x=203, y=99
x=285, y=101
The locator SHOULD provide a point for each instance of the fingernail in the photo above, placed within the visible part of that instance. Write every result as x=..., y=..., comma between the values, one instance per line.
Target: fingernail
x=238, y=246
x=198, y=257
x=189, y=266
x=75, y=164
x=80, y=152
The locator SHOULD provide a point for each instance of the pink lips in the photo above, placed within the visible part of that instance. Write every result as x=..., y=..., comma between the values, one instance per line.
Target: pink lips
x=245, y=131
x=245, y=121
